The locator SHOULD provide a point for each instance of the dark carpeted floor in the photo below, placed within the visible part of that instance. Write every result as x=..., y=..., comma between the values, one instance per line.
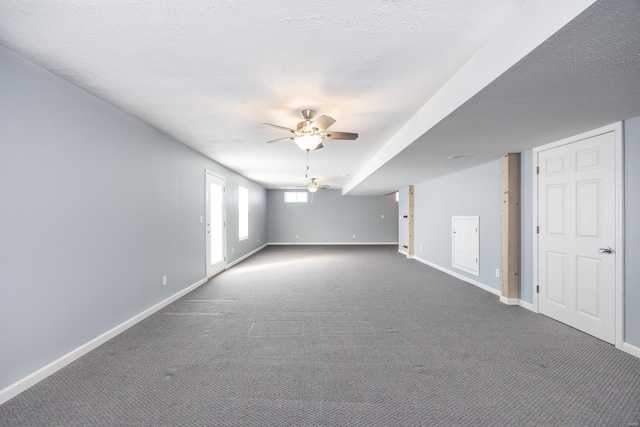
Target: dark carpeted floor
x=339, y=336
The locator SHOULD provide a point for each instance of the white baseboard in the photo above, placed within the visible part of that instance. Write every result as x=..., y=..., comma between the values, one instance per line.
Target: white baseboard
x=527, y=305
x=37, y=376
x=231, y=264
x=459, y=276
x=403, y=252
x=509, y=301
x=517, y=301
x=631, y=349
x=329, y=243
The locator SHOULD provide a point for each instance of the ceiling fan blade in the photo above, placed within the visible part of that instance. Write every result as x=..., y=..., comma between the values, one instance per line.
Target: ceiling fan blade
x=280, y=139
x=322, y=187
x=323, y=122
x=279, y=127
x=341, y=135
x=319, y=146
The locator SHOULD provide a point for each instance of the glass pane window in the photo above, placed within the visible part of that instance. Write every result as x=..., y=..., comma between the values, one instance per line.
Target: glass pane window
x=243, y=213
x=215, y=222
x=295, y=196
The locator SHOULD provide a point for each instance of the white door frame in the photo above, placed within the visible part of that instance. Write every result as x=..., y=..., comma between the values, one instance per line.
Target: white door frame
x=224, y=220
x=617, y=129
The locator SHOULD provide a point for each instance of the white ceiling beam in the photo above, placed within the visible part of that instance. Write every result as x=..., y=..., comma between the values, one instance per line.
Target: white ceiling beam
x=535, y=22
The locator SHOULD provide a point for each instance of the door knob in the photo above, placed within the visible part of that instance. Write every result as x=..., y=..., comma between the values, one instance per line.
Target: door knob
x=606, y=250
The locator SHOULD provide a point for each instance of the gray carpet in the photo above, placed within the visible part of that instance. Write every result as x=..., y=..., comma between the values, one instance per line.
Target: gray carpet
x=339, y=336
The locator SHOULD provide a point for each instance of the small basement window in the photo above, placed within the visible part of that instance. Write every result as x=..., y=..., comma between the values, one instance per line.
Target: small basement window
x=295, y=196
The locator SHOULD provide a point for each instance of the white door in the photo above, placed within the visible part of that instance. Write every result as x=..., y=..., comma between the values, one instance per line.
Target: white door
x=215, y=214
x=465, y=243
x=577, y=220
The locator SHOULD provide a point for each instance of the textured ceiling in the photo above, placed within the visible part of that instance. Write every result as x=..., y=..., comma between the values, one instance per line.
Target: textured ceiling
x=418, y=80
x=585, y=76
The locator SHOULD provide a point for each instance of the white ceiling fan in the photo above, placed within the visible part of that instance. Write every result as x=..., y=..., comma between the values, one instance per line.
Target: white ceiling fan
x=310, y=133
x=313, y=186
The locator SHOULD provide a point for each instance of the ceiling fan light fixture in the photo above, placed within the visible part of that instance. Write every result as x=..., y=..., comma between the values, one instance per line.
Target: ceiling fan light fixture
x=308, y=142
x=309, y=133
x=313, y=186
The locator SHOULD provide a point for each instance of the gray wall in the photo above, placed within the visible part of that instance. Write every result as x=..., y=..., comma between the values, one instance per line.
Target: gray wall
x=632, y=231
x=332, y=218
x=95, y=207
x=474, y=191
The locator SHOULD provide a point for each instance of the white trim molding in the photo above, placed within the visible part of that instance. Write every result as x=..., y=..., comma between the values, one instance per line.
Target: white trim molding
x=631, y=349
x=517, y=301
x=460, y=276
x=509, y=301
x=42, y=373
x=242, y=258
x=329, y=243
x=526, y=305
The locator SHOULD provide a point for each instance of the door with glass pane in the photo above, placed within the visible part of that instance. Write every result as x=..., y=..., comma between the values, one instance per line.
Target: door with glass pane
x=215, y=229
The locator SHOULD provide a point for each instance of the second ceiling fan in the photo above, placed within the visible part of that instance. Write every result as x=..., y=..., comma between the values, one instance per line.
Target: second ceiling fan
x=309, y=133
x=313, y=186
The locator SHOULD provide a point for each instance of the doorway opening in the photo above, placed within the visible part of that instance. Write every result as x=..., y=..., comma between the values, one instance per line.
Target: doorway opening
x=216, y=224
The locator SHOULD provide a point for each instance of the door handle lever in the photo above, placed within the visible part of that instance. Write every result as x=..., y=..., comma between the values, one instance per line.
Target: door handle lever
x=606, y=250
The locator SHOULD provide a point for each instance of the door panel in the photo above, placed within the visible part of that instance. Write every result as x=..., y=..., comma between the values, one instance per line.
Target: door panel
x=555, y=209
x=556, y=277
x=588, y=276
x=588, y=195
x=215, y=214
x=577, y=211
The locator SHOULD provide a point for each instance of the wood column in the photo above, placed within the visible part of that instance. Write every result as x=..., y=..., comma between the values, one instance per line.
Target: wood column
x=510, y=225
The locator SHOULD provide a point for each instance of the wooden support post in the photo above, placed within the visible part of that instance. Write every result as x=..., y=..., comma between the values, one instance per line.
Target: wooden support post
x=510, y=226
x=411, y=222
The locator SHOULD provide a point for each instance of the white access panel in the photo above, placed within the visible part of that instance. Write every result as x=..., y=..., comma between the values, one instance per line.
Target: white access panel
x=465, y=243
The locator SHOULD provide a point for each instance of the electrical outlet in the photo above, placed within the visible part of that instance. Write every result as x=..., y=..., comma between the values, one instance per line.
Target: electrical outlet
x=164, y=280
x=497, y=272
x=201, y=220
x=354, y=236
x=382, y=216
x=233, y=250
x=420, y=248
x=296, y=236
